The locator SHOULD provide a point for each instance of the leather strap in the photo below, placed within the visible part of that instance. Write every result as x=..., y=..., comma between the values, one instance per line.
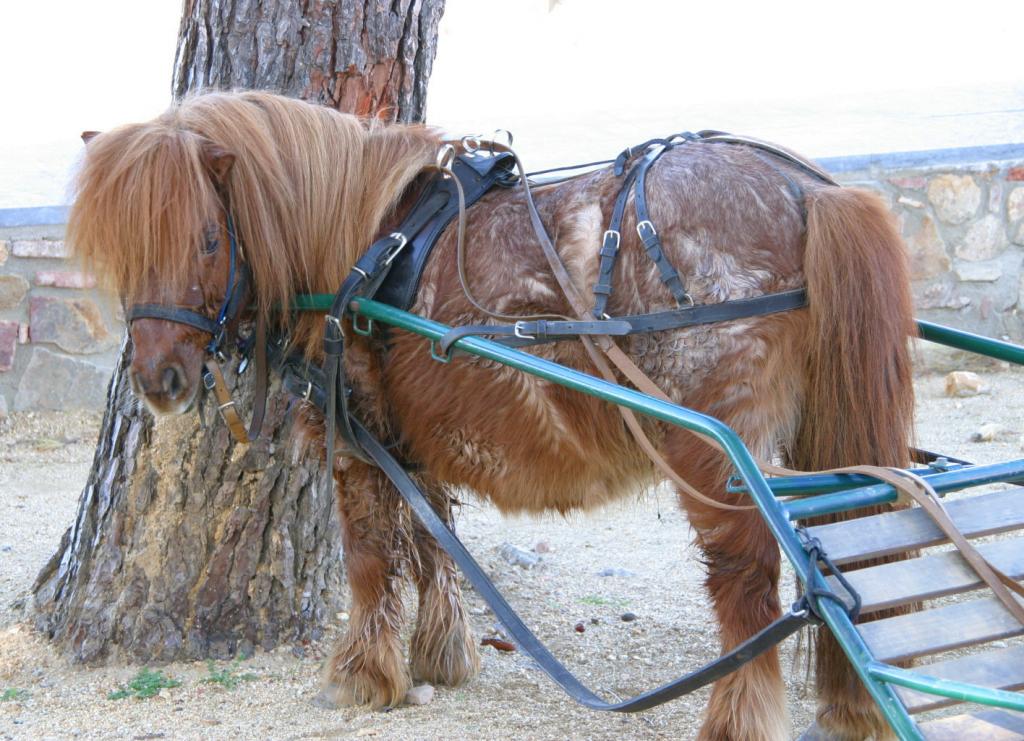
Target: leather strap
x=649, y=235
x=789, y=155
x=173, y=314
x=214, y=380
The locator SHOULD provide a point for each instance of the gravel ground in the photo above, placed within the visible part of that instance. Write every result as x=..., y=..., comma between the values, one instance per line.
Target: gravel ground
x=44, y=460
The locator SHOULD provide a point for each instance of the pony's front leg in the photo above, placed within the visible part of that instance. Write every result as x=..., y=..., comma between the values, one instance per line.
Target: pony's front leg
x=367, y=665
x=443, y=649
x=743, y=564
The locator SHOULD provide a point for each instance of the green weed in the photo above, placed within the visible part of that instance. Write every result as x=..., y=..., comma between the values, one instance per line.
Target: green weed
x=227, y=677
x=13, y=694
x=147, y=683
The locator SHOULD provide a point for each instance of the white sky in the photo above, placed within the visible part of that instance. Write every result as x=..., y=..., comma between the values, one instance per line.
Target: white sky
x=589, y=75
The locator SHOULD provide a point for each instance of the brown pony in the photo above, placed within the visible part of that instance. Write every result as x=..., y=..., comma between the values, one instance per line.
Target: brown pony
x=308, y=190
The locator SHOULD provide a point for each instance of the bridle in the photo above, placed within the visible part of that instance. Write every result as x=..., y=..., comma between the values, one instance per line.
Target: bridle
x=239, y=281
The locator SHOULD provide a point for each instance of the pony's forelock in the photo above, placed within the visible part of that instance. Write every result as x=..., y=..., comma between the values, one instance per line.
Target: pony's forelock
x=308, y=190
x=142, y=203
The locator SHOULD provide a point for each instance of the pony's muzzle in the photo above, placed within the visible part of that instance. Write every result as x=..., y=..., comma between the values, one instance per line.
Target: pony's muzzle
x=166, y=389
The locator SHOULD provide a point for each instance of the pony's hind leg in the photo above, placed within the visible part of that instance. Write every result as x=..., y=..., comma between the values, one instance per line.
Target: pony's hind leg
x=742, y=560
x=443, y=650
x=368, y=665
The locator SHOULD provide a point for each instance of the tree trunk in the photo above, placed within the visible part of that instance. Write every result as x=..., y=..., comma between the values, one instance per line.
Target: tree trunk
x=187, y=545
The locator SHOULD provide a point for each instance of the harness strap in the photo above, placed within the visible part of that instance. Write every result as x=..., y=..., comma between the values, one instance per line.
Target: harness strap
x=213, y=380
x=649, y=235
x=610, y=246
x=745, y=652
x=174, y=314
x=527, y=333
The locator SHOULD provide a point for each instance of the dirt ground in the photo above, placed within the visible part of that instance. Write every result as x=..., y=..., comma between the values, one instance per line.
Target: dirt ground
x=44, y=460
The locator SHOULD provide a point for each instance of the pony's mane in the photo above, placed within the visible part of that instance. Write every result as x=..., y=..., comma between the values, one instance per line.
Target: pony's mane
x=308, y=191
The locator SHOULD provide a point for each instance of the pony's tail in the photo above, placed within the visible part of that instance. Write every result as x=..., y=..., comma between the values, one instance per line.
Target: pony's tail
x=859, y=396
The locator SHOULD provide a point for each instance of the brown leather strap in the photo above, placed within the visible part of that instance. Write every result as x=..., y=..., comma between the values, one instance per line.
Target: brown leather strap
x=226, y=405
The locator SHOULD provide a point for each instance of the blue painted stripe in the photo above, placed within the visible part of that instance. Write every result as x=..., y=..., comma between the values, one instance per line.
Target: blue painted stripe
x=925, y=158
x=39, y=216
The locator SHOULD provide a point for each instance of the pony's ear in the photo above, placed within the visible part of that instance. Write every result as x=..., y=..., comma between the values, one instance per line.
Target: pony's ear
x=218, y=162
x=87, y=136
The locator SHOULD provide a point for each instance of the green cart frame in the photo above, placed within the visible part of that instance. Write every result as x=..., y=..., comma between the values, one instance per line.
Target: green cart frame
x=817, y=494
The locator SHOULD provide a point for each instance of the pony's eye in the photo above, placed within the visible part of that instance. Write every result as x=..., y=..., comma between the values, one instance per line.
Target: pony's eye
x=211, y=242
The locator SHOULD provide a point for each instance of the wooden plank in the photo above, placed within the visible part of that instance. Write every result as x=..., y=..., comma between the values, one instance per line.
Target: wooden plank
x=895, y=532
x=987, y=725
x=937, y=575
x=1002, y=670
x=939, y=629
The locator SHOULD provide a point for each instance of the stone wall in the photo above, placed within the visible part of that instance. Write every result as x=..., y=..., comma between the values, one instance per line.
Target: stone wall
x=961, y=213
x=58, y=336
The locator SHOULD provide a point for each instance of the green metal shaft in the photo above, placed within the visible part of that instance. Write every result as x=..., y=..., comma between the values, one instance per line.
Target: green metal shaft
x=971, y=342
x=946, y=687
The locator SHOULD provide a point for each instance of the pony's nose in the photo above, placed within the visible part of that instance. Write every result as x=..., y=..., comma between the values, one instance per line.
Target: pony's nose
x=172, y=381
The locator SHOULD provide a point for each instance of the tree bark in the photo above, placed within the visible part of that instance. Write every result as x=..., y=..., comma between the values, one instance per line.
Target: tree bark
x=186, y=545
x=362, y=56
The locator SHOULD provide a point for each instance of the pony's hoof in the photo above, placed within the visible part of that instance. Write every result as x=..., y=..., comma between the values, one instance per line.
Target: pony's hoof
x=454, y=664
x=349, y=689
x=848, y=724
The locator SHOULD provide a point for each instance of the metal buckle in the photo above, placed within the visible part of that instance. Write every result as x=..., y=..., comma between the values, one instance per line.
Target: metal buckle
x=518, y=332
x=446, y=156
x=209, y=382
x=331, y=319
x=639, y=228
x=494, y=139
x=470, y=142
x=614, y=233
x=361, y=272
x=392, y=253
x=309, y=390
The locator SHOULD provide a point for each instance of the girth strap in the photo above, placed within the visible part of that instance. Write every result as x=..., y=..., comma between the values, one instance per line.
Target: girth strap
x=526, y=333
x=750, y=649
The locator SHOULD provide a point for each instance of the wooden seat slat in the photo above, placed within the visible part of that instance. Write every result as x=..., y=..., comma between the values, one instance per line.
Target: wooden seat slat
x=1002, y=669
x=939, y=629
x=896, y=532
x=987, y=725
x=928, y=577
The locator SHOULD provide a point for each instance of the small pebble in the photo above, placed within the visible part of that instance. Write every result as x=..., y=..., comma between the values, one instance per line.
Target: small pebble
x=420, y=695
x=517, y=556
x=542, y=546
x=963, y=383
x=628, y=617
x=988, y=432
x=616, y=572
x=595, y=621
x=580, y=628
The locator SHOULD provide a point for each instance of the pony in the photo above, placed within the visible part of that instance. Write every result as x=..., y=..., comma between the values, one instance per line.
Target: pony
x=308, y=189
